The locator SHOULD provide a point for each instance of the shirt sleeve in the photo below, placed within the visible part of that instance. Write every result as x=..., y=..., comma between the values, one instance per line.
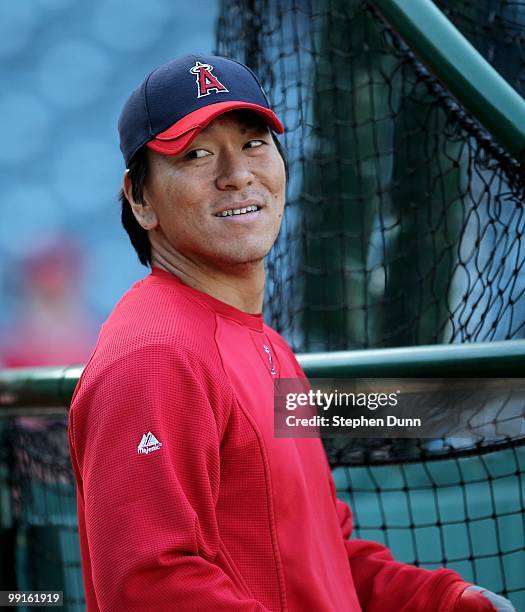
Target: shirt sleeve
x=385, y=585
x=153, y=541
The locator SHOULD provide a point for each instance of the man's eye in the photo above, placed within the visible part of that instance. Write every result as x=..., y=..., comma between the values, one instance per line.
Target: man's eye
x=197, y=153
x=253, y=144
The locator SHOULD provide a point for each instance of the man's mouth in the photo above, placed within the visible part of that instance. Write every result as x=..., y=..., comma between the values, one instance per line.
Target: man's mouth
x=238, y=211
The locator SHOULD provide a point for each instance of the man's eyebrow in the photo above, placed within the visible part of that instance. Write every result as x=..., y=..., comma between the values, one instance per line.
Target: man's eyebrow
x=254, y=129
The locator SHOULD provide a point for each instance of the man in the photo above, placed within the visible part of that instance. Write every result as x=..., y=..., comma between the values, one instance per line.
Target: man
x=186, y=500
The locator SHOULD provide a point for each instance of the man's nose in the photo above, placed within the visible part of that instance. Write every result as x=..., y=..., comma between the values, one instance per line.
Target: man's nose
x=234, y=173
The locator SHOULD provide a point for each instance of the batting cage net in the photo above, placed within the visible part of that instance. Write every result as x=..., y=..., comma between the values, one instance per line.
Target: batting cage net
x=497, y=29
x=405, y=218
x=404, y=226
x=38, y=524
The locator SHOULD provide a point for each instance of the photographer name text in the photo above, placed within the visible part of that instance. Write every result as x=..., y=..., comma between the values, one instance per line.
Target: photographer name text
x=355, y=423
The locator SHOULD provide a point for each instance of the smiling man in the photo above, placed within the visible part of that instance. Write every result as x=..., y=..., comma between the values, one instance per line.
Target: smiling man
x=215, y=206
x=186, y=500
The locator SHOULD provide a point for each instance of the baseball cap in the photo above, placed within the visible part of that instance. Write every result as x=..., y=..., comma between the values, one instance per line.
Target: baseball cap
x=178, y=99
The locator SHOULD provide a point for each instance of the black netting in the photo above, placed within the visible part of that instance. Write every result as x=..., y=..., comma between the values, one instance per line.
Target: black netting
x=465, y=513
x=464, y=417
x=405, y=218
x=497, y=29
x=38, y=525
x=404, y=226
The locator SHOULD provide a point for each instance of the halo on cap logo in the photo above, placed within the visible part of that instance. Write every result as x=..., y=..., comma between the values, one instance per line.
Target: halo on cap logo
x=206, y=81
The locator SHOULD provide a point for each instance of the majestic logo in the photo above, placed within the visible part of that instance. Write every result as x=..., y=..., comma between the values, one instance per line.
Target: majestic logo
x=148, y=444
x=206, y=81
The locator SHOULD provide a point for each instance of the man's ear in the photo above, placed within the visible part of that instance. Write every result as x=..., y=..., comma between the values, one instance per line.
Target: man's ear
x=144, y=214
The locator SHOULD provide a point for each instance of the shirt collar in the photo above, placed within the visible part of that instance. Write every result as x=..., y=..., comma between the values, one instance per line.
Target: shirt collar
x=253, y=321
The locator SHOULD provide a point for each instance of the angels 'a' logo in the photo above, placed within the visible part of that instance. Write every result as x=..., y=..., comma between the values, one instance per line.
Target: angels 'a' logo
x=206, y=81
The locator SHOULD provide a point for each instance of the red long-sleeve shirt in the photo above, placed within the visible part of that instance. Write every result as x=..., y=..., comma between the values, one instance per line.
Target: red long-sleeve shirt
x=187, y=501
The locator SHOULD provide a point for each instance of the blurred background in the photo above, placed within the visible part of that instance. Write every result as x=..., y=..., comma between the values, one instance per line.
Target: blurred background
x=398, y=230
x=67, y=67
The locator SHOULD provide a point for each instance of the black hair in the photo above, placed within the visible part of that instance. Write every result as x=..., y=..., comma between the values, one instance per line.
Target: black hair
x=138, y=171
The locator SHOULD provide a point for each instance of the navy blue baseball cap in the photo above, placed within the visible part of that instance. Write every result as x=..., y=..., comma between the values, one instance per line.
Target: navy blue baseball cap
x=178, y=99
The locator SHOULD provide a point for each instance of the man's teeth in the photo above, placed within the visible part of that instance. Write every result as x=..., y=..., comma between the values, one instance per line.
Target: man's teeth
x=237, y=211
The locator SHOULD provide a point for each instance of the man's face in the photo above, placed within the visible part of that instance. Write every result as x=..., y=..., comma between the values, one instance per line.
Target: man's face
x=231, y=165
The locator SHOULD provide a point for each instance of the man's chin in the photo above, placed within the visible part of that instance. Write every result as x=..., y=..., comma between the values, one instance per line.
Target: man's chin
x=249, y=259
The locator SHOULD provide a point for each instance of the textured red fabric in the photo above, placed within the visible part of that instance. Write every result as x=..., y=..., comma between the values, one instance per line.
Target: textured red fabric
x=471, y=601
x=222, y=516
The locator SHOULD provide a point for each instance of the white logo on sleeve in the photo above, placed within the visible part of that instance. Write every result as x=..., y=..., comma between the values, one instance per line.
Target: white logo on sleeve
x=148, y=444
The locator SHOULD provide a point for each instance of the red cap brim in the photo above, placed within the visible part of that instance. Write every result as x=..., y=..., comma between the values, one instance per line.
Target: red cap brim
x=180, y=135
